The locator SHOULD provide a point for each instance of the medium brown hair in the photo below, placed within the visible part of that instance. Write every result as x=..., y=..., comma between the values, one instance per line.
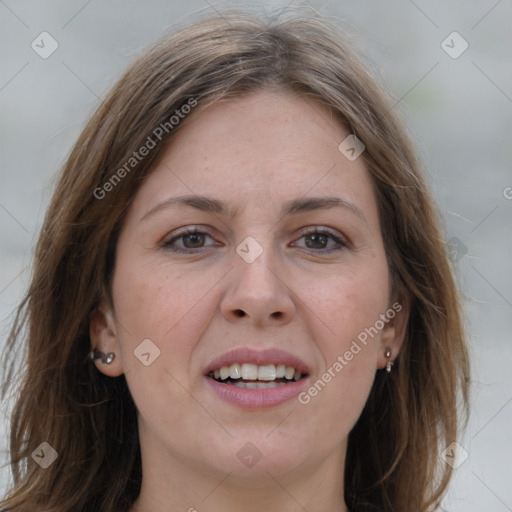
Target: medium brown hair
x=90, y=419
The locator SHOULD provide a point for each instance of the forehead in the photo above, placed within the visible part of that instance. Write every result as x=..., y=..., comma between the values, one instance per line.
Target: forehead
x=261, y=149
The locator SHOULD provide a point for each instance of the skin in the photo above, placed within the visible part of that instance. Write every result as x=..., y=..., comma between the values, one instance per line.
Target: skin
x=254, y=153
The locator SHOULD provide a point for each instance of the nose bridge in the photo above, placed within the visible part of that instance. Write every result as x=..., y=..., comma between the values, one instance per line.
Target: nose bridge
x=257, y=285
x=256, y=264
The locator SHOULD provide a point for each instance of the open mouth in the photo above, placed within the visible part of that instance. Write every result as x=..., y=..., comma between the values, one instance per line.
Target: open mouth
x=253, y=376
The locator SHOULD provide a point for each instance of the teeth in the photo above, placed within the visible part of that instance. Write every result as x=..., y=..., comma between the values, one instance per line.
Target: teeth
x=266, y=374
x=289, y=373
x=249, y=371
x=280, y=371
x=257, y=385
x=234, y=371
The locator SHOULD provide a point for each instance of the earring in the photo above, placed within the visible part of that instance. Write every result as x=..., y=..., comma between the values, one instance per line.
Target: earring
x=105, y=358
x=389, y=364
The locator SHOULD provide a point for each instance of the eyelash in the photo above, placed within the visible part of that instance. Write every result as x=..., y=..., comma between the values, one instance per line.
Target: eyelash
x=340, y=243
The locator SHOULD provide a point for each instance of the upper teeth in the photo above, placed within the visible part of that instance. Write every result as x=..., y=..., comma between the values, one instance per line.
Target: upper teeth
x=249, y=371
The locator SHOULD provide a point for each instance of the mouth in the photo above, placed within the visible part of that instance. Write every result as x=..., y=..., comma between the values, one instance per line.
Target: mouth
x=253, y=376
x=256, y=378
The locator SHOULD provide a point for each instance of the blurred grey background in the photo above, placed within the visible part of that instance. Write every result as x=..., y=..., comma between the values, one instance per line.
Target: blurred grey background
x=457, y=102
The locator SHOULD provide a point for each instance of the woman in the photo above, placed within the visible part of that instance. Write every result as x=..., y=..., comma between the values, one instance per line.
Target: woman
x=241, y=294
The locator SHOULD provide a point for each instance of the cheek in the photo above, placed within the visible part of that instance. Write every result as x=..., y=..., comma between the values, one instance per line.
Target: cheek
x=149, y=300
x=347, y=303
x=340, y=389
x=164, y=305
x=151, y=303
x=340, y=401
x=346, y=313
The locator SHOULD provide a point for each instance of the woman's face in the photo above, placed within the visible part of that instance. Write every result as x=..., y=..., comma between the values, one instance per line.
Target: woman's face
x=286, y=273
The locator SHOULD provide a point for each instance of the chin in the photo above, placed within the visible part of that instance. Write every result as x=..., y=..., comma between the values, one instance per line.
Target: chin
x=259, y=455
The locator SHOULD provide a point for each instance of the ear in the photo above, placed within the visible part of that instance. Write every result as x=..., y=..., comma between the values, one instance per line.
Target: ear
x=394, y=330
x=104, y=338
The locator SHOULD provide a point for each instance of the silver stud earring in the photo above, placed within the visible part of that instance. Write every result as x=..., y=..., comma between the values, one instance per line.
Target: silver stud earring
x=389, y=364
x=105, y=358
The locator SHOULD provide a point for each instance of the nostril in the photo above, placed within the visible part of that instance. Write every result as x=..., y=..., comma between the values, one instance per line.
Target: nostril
x=239, y=312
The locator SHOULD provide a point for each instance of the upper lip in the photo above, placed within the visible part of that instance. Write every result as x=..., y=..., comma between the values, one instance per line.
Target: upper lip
x=259, y=357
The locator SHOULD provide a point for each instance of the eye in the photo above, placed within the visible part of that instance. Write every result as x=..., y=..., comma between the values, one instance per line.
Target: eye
x=190, y=240
x=318, y=240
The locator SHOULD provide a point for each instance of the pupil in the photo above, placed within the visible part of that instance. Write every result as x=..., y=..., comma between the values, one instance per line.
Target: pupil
x=198, y=237
x=317, y=237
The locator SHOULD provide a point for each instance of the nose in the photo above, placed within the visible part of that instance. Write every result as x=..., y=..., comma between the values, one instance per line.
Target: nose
x=258, y=293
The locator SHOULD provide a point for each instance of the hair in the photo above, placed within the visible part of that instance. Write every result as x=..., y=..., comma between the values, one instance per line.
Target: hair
x=392, y=461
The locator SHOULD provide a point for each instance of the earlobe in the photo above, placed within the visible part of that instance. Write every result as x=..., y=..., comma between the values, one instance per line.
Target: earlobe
x=105, y=350
x=105, y=358
x=393, y=334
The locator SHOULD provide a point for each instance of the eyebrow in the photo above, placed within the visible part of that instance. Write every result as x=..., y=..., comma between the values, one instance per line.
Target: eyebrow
x=293, y=207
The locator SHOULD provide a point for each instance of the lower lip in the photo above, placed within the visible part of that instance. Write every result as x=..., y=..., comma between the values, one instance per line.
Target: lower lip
x=257, y=398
